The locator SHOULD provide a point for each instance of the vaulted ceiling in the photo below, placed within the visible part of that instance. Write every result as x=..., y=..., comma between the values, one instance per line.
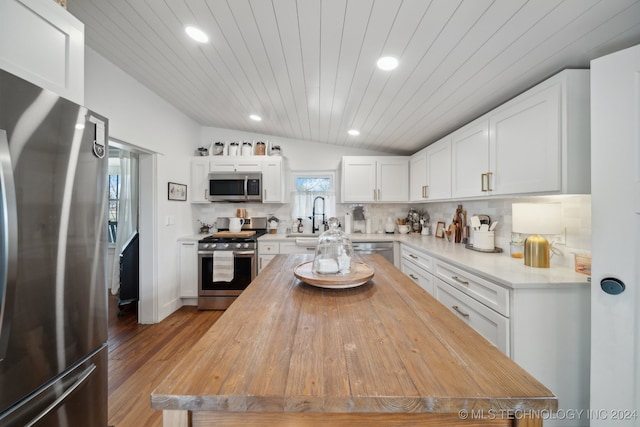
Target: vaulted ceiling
x=308, y=67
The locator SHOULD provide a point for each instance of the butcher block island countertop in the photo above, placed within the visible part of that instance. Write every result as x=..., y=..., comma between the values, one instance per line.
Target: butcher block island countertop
x=385, y=353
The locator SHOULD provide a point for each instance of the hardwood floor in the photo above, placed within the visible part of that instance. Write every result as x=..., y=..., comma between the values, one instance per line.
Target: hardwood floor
x=140, y=356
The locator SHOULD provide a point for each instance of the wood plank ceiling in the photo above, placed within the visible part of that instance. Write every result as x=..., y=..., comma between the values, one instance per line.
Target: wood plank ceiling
x=307, y=67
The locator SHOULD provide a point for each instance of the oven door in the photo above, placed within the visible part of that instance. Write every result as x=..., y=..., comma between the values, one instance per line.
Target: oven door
x=244, y=271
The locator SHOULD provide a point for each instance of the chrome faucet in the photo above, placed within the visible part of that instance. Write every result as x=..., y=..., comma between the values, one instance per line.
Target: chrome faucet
x=313, y=220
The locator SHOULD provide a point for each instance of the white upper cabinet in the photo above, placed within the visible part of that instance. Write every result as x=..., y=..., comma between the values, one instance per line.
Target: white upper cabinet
x=375, y=179
x=439, y=170
x=199, y=192
x=524, y=144
x=272, y=180
x=418, y=176
x=393, y=179
x=235, y=163
x=537, y=143
x=43, y=43
x=470, y=159
x=430, y=172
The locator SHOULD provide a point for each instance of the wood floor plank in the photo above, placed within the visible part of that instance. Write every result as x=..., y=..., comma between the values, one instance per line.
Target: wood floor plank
x=140, y=356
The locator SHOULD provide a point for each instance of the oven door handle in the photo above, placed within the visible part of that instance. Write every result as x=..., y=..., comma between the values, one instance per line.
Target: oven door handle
x=210, y=254
x=246, y=187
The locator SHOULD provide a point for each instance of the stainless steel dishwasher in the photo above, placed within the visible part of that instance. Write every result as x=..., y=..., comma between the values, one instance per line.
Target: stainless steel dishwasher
x=366, y=248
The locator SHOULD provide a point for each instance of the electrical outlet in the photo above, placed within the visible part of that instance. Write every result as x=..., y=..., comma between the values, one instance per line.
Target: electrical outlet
x=559, y=239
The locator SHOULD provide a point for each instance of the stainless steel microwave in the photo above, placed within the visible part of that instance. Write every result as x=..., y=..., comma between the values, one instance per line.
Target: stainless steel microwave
x=235, y=187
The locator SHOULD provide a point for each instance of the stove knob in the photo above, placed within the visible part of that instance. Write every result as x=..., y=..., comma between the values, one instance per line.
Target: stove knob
x=238, y=245
x=226, y=245
x=246, y=245
x=205, y=246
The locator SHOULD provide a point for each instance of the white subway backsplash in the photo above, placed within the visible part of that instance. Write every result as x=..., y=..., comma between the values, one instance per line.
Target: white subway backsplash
x=576, y=217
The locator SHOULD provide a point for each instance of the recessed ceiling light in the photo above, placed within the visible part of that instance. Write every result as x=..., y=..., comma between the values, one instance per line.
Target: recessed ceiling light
x=197, y=34
x=255, y=117
x=354, y=132
x=387, y=63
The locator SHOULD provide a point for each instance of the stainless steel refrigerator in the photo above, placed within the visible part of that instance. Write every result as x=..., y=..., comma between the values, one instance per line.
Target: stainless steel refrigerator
x=53, y=307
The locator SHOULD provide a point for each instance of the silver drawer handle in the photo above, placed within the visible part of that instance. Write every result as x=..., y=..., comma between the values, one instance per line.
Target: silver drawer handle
x=413, y=277
x=413, y=256
x=462, y=313
x=457, y=279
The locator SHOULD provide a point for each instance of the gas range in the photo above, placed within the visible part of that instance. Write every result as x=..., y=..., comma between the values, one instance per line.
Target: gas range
x=230, y=243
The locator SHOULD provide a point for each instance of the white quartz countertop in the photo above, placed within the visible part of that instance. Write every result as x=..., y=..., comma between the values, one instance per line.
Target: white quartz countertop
x=497, y=267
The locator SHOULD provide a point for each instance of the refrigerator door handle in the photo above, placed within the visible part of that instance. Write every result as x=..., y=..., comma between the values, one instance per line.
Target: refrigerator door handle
x=8, y=241
x=81, y=378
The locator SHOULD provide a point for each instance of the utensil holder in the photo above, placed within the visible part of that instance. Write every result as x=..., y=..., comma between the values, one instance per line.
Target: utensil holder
x=484, y=240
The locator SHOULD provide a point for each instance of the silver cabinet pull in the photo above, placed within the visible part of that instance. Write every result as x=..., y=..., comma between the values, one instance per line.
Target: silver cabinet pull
x=457, y=279
x=489, y=181
x=413, y=277
x=482, y=177
x=462, y=313
x=413, y=256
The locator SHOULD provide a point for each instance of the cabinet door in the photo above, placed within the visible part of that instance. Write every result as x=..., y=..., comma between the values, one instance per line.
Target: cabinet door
x=199, y=180
x=223, y=164
x=470, y=159
x=43, y=43
x=525, y=144
x=188, y=269
x=439, y=170
x=272, y=181
x=248, y=165
x=418, y=176
x=392, y=179
x=358, y=179
x=263, y=261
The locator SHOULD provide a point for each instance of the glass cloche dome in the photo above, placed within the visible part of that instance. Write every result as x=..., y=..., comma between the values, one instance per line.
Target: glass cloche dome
x=333, y=252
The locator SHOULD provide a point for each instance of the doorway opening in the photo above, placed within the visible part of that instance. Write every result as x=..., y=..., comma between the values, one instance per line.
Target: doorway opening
x=123, y=278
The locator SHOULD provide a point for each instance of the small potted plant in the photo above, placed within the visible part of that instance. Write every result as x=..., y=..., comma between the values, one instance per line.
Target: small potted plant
x=204, y=227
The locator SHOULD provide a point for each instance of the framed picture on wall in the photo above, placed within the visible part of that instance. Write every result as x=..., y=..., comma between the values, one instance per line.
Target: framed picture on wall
x=440, y=230
x=177, y=192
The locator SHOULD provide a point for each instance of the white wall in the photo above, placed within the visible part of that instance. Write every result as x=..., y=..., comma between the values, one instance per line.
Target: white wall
x=139, y=117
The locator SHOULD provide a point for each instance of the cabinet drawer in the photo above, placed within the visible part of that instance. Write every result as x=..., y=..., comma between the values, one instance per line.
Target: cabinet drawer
x=418, y=275
x=293, y=248
x=493, y=296
x=491, y=325
x=420, y=258
x=269, y=248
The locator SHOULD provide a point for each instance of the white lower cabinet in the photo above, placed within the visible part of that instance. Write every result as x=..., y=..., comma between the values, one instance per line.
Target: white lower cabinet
x=188, y=274
x=545, y=329
x=491, y=325
x=266, y=252
x=417, y=265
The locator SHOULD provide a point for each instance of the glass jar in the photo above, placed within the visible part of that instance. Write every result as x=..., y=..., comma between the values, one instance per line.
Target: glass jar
x=334, y=251
x=260, y=148
x=516, y=249
x=233, y=148
x=275, y=150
